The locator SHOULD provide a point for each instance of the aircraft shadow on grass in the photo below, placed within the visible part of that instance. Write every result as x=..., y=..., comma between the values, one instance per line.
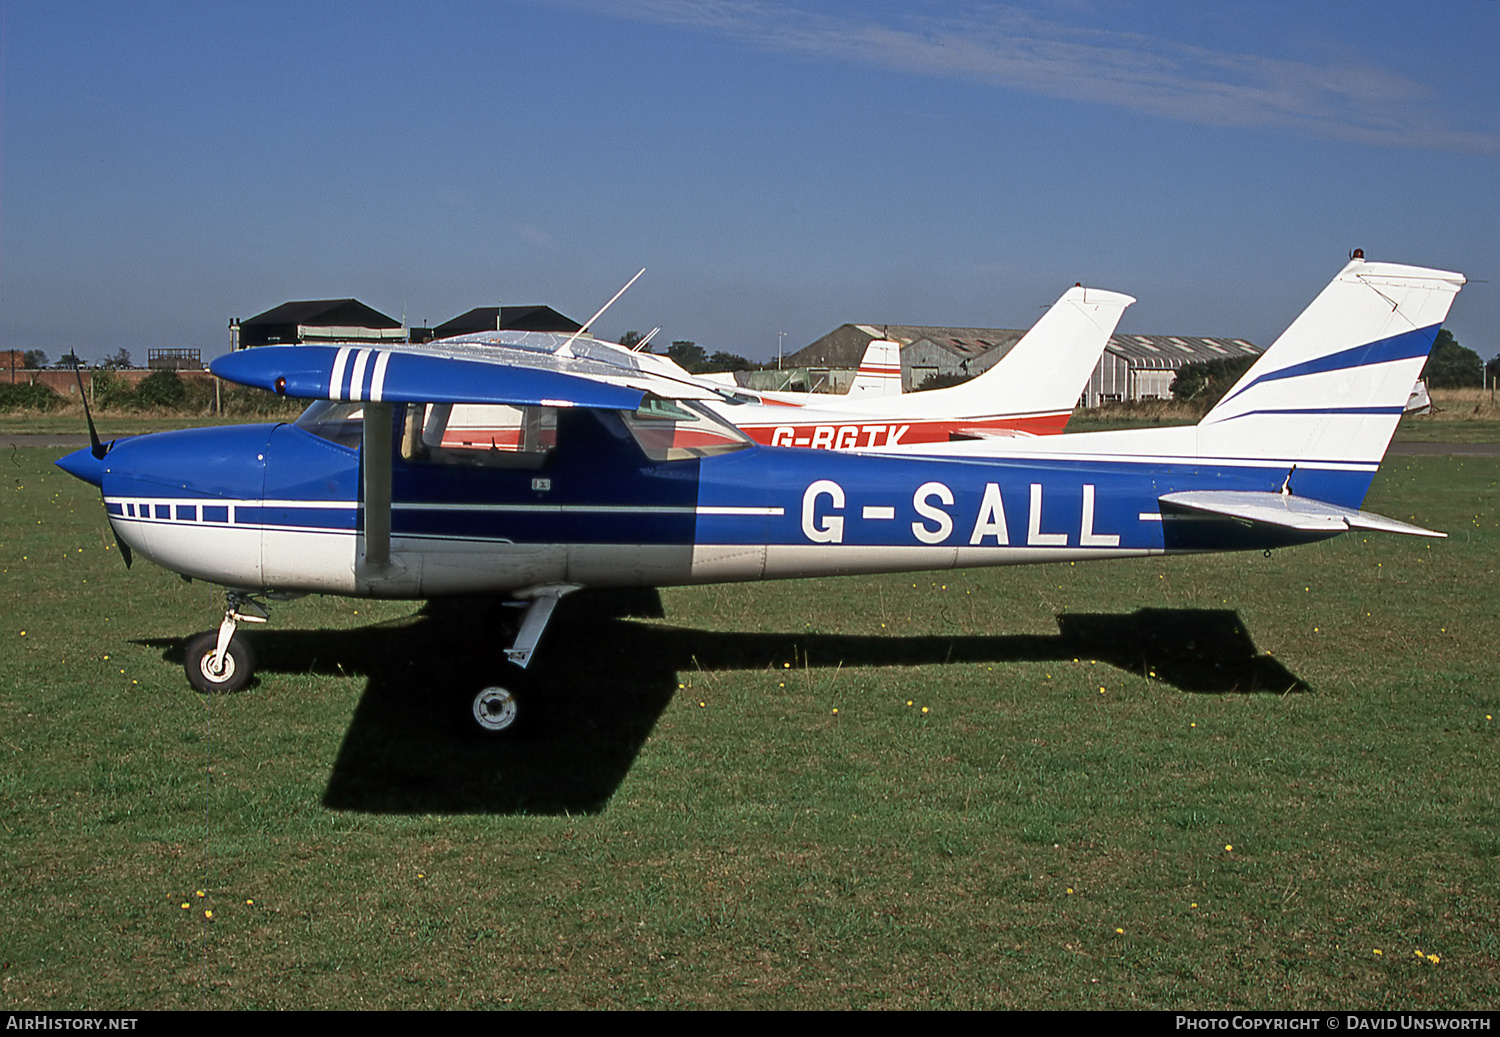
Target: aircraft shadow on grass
x=602, y=680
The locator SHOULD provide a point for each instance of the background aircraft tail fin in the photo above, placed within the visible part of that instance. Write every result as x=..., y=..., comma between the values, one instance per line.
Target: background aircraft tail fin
x=879, y=370
x=1333, y=386
x=1048, y=369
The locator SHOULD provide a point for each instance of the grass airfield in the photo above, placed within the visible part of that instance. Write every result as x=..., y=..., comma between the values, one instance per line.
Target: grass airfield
x=1213, y=782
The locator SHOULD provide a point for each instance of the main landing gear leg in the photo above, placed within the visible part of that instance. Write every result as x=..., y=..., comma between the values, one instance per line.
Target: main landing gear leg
x=496, y=708
x=221, y=661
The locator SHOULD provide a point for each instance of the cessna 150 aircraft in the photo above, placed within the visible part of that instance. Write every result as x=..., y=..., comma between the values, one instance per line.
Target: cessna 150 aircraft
x=618, y=477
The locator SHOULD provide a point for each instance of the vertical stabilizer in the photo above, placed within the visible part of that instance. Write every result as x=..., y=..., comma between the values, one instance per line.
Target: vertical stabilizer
x=1046, y=371
x=879, y=370
x=1333, y=386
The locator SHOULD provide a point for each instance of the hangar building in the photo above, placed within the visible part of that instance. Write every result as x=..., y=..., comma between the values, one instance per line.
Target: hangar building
x=317, y=320
x=1143, y=367
x=349, y=320
x=506, y=318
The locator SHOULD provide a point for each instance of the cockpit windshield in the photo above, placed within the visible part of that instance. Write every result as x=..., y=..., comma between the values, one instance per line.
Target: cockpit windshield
x=341, y=423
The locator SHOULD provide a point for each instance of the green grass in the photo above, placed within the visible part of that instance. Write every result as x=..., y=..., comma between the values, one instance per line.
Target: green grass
x=112, y=425
x=1423, y=429
x=899, y=792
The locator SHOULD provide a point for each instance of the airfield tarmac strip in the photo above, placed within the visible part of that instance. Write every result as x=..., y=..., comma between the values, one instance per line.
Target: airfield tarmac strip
x=1447, y=449
x=72, y=441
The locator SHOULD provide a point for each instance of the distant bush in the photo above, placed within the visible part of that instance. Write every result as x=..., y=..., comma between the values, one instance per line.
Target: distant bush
x=941, y=381
x=1205, y=383
x=257, y=403
x=32, y=396
x=1452, y=366
x=722, y=361
x=158, y=391
x=162, y=389
x=110, y=393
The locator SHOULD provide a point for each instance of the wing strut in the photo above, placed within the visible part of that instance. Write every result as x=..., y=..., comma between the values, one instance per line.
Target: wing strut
x=543, y=600
x=375, y=456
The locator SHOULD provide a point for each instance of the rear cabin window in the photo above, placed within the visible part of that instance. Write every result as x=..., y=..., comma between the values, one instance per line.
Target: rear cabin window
x=480, y=435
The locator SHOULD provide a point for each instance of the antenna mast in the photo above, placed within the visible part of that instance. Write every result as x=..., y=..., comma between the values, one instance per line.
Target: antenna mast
x=564, y=349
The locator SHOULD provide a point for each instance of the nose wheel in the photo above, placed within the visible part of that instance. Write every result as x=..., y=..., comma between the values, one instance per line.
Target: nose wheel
x=210, y=670
x=219, y=661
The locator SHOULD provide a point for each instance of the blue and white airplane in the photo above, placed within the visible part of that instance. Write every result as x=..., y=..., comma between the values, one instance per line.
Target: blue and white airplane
x=618, y=477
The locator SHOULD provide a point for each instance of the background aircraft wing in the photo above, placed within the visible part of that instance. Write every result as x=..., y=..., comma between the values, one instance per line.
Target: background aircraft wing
x=1289, y=512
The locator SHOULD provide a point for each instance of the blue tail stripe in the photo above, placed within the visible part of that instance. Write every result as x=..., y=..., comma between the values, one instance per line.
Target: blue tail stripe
x=1405, y=346
x=1318, y=410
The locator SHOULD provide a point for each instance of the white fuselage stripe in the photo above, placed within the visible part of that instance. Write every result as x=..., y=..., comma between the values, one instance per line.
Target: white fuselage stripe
x=336, y=380
x=551, y=509
x=357, y=379
x=377, y=380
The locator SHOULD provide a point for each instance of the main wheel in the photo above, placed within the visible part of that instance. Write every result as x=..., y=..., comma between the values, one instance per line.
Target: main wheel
x=495, y=710
x=235, y=670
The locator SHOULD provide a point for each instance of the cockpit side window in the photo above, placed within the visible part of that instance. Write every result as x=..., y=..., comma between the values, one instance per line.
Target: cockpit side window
x=675, y=430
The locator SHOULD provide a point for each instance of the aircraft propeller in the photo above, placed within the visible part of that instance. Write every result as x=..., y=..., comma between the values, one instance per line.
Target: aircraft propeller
x=99, y=450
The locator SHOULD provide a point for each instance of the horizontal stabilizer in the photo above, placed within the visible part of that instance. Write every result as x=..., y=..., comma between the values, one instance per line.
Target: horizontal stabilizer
x=1289, y=512
x=392, y=376
x=989, y=433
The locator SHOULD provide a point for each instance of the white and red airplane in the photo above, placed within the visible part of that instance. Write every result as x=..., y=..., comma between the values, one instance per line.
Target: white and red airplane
x=1031, y=391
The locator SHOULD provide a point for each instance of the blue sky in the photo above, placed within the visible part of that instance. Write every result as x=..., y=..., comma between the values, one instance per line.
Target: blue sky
x=776, y=166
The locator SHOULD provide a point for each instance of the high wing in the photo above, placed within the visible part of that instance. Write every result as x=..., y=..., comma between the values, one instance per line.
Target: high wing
x=453, y=371
x=582, y=355
x=493, y=370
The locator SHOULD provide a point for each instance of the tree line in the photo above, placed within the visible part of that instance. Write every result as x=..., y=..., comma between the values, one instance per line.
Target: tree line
x=693, y=358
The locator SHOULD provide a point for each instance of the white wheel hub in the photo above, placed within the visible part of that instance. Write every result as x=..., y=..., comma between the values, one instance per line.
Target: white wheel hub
x=225, y=671
x=494, y=709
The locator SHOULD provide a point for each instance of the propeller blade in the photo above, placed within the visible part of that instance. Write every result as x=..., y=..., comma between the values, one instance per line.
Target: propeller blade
x=123, y=546
x=97, y=448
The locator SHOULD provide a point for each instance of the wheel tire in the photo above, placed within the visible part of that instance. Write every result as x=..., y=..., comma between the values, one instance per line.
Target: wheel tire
x=239, y=664
x=495, y=710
